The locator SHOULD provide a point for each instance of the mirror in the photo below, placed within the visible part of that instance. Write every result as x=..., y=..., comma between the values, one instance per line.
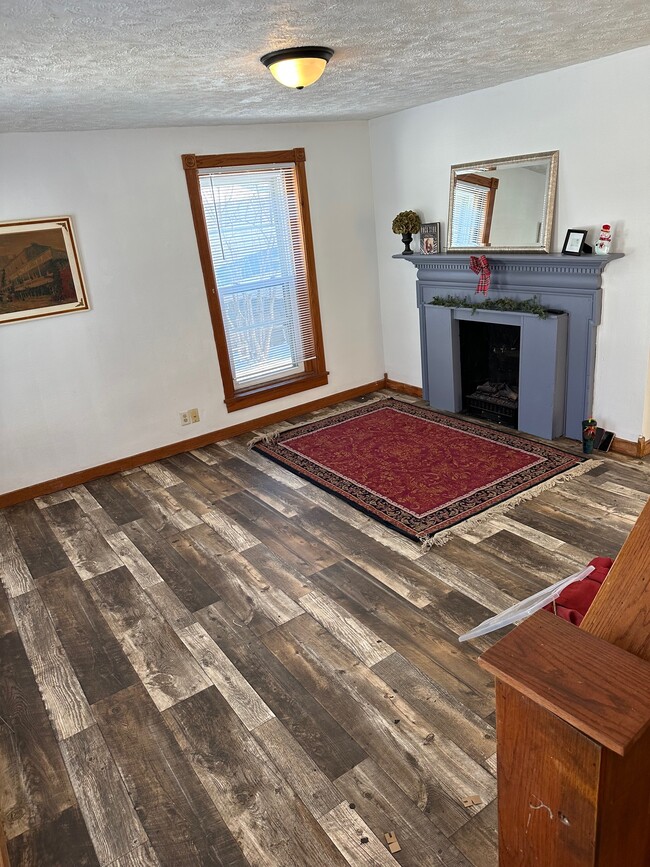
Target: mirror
x=503, y=205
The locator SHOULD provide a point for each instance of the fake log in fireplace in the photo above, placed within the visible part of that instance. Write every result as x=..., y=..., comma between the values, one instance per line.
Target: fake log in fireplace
x=489, y=362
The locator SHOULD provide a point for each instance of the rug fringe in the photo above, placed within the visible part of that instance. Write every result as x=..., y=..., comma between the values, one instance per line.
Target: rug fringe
x=263, y=438
x=270, y=438
x=443, y=536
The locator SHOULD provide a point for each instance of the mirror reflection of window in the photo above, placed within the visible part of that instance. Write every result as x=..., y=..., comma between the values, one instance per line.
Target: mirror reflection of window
x=474, y=197
x=519, y=218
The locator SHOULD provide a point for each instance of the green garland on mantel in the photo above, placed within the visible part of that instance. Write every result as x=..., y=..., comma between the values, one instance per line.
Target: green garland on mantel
x=505, y=305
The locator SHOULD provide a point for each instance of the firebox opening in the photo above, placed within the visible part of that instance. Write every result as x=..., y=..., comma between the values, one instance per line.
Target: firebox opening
x=489, y=363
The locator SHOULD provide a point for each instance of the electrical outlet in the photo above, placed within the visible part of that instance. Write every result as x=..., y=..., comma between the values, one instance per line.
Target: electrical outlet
x=190, y=416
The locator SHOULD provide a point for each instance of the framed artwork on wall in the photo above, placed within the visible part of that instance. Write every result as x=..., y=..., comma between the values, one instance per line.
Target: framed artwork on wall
x=40, y=272
x=429, y=238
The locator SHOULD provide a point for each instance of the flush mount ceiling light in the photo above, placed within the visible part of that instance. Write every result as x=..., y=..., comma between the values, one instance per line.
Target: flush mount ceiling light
x=297, y=67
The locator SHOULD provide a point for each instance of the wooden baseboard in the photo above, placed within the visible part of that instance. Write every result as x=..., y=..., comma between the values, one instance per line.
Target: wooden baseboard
x=402, y=387
x=639, y=449
x=128, y=463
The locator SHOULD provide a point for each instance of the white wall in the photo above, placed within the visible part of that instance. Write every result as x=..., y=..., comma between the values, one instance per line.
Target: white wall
x=82, y=389
x=596, y=115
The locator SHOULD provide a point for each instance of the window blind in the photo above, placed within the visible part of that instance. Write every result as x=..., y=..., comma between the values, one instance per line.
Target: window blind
x=468, y=216
x=254, y=229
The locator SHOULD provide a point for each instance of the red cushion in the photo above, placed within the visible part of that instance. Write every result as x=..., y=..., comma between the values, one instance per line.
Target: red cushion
x=574, y=601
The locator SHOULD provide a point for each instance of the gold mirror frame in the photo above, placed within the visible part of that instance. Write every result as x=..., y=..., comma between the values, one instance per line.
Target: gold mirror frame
x=544, y=245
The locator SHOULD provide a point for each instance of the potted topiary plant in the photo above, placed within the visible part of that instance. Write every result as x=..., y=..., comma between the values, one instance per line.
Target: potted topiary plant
x=406, y=224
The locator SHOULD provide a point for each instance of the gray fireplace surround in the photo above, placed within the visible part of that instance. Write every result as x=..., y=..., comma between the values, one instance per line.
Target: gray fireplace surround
x=564, y=284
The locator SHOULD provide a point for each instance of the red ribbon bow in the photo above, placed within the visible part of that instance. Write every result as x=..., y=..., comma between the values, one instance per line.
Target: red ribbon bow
x=481, y=266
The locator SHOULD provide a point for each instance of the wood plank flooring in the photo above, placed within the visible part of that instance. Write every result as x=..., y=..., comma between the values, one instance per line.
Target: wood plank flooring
x=208, y=661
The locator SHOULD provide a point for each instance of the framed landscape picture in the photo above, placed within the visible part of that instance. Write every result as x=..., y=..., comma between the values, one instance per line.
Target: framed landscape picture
x=429, y=238
x=40, y=274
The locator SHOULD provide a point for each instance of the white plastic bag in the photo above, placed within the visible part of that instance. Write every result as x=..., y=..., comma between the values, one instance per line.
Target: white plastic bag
x=526, y=607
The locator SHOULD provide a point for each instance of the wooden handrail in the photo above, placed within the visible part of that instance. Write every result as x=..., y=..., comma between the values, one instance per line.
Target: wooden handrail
x=599, y=689
x=573, y=727
x=620, y=613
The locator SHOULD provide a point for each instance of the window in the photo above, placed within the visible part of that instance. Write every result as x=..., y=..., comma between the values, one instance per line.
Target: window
x=473, y=206
x=251, y=216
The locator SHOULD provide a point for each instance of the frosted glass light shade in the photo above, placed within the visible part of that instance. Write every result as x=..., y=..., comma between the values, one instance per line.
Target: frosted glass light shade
x=297, y=67
x=298, y=72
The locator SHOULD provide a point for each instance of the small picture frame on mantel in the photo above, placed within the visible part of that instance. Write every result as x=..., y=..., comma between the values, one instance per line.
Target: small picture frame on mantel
x=574, y=242
x=429, y=238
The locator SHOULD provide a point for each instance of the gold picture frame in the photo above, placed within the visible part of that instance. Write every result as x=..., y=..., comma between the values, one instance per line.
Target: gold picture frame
x=40, y=271
x=483, y=177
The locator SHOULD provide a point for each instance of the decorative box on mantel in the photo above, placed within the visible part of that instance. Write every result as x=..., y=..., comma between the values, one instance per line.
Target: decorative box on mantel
x=564, y=284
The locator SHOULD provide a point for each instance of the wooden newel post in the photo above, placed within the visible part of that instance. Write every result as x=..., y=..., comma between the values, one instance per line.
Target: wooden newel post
x=573, y=727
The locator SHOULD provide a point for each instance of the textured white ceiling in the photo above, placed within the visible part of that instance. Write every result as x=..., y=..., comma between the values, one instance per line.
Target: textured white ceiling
x=94, y=64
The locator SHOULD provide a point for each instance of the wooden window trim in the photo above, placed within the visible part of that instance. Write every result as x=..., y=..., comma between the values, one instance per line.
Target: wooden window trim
x=315, y=373
x=479, y=180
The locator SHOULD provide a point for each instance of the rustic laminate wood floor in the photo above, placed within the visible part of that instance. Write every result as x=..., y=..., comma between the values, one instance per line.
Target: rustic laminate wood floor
x=208, y=661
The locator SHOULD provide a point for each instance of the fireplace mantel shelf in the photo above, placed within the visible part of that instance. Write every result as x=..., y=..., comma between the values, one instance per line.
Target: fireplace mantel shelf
x=571, y=284
x=571, y=262
x=484, y=314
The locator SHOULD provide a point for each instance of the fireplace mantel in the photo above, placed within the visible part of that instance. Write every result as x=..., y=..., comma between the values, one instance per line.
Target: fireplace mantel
x=571, y=284
x=545, y=271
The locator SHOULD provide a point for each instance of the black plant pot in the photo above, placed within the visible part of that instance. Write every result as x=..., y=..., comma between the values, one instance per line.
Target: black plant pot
x=407, y=237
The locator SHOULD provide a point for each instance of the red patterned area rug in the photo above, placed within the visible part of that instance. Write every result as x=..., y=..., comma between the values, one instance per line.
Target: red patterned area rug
x=418, y=471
